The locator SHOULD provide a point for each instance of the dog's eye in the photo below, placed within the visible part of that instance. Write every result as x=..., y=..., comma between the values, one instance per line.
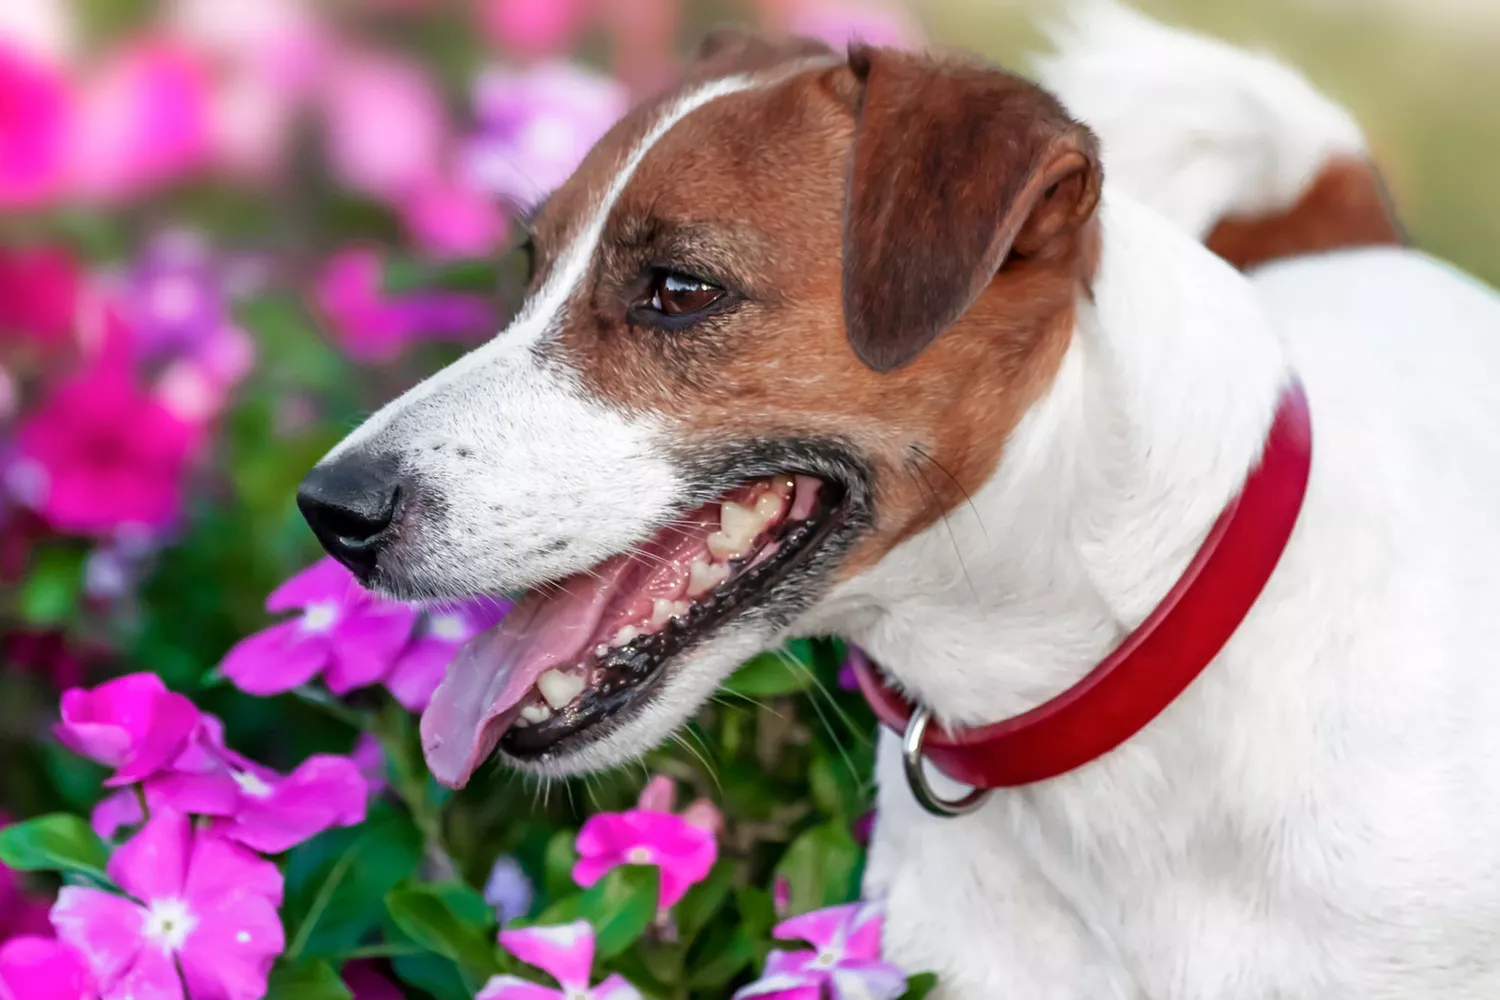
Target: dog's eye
x=674, y=294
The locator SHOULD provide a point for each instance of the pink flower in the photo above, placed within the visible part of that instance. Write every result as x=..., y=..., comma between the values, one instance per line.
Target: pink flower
x=448, y=218
x=386, y=127
x=39, y=968
x=528, y=28
x=38, y=292
x=144, y=121
x=201, y=904
x=99, y=454
x=566, y=952
x=846, y=964
x=535, y=127
x=20, y=912
x=420, y=668
x=36, y=123
x=132, y=723
x=344, y=632
x=373, y=326
x=683, y=851
x=839, y=22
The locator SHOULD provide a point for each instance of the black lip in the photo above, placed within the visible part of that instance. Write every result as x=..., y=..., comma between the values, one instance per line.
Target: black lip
x=634, y=670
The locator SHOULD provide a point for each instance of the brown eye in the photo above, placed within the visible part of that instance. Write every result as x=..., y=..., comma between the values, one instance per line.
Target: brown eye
x=674, y=294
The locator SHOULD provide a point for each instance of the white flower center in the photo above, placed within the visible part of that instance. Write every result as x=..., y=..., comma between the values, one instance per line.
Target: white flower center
x=320, y=616
x=449, y=628
x=173, y=299
x=826, y=960
x=252, y=785
x=638, y=856
x=168, y=924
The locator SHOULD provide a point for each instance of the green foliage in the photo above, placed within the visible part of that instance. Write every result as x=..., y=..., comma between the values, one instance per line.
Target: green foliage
x=59, y=842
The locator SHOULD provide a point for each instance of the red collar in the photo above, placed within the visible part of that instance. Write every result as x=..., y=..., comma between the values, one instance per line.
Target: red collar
x=1156, y=662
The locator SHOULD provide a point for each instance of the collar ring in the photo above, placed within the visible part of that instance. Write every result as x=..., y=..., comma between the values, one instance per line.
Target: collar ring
x=916, y=777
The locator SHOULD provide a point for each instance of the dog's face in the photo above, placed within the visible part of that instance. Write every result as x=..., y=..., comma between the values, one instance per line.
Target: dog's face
x=726, y=390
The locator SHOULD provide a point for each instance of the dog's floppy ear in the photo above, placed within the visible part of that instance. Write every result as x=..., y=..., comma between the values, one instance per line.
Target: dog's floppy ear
x=955, y=169
x=733, y=49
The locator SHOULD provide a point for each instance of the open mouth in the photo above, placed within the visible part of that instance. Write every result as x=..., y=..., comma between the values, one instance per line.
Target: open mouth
x=576, y=653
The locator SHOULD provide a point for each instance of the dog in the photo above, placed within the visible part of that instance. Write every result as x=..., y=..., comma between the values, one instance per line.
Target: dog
x=875, y=344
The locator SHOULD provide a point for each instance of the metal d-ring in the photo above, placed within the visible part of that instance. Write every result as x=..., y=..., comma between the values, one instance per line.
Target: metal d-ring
x=911, y=756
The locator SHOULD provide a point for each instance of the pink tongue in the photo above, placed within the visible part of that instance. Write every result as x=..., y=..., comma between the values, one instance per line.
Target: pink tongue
x=474, y=705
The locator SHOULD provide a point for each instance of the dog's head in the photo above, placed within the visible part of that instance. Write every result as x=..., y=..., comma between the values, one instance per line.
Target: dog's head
x=780, y=320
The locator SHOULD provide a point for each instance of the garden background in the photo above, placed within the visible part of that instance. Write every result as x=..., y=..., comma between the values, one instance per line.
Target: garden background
x=230, y=228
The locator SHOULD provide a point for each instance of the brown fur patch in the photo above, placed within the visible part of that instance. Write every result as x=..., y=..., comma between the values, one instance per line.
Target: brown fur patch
x=750, y=193
x=1345, y=206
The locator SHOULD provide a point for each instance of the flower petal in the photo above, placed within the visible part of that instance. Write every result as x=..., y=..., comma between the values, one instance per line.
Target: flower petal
x=276, y=659
x=781, y=987
x=820, y=927
x=38, y=968
x=616, y=987
x=565, y=950
x=153, y=863
x=324, y=580
x=152, y=976
x=867, y=981
x=659, y=795
x=229, y=954
x=102, y=927
x=515, y=988
x=118, y=810
x=863, y=937
x=366, y=644
x=174, y=720
x=324, y=791
x=419, y=671
x=220, y=868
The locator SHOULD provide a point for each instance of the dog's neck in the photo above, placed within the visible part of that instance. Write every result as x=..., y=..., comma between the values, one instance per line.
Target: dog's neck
x=1104, y=492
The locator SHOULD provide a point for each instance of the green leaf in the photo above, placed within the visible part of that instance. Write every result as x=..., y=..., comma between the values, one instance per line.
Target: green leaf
x=621, y=906
x=703, y=900
x=58, y=842
x=336, y=882
x=820, y=866
x=726, y=951
x=560, y=858
x=433, y=974
x=52, y=590
x=433, y=922
x=919, y=986
x=771, y=674
x=306, y=981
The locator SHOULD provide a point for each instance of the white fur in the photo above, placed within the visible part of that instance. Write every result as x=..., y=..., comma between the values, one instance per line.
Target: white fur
x=1197, y=129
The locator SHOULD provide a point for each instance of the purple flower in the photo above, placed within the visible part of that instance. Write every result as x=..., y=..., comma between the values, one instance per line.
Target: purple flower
x=508, y=890
x=132, y=723
x=174, y=298
x=535, y=126
x=344, y=632
x=420, y=668
x=566, y=952
x=39, y=968
x=385, y=123
x=846, y=964
x=683, y=848
x=199, y=903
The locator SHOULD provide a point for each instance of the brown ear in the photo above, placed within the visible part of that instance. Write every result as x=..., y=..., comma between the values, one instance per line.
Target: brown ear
x=732, y=49
x=955, y=170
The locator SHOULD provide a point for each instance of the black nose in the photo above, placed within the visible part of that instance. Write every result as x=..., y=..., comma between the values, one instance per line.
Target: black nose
x=351, y=505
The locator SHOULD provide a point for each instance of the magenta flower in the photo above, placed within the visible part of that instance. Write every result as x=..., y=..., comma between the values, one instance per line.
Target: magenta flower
x=846, y=964
x=99, y=454
x=531, y=29
x=132, y=723
x=36, y=128
x=345, y=633
x=420, y=668
x=200, y=903
x=536, y=125
x=144, y=121
x=39, y=968
x=449, y=218
x=385, y=124
x=373, y=326
x=682, y=850
x=566, y=953
x=38, y=291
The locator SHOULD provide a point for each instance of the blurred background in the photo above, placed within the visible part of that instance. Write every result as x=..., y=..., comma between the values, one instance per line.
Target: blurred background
x=230, y=228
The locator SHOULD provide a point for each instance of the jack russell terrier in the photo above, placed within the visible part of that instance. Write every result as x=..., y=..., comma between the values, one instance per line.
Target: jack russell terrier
x=1195, y=574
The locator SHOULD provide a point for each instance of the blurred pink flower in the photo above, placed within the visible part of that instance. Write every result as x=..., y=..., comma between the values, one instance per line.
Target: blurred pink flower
x=682, y=850
x=839, y=22
x=201, y=904
x=100, y=454
x=144, y=121
x=660, y=795
x=846, y=964
x=40, y=968
x=344, y=632
x=38, y=293
x=420, y=668
x=369, y=757
x=373, y=326
x=535, y=126
x=386, y=125
x=529, y=28
x=36, y=127
x=565, y=952
x=448, y=218
x=132, y=723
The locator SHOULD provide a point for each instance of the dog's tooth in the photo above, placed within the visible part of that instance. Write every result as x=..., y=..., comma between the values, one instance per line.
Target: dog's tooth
x=601, y=650
x=625, y=634
x=739, y=521
x=536, y=713
x=521, y=721
x=769, y=507
x=705, y=576
x=559, y=688
x=662, y=611
x=725, y=546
